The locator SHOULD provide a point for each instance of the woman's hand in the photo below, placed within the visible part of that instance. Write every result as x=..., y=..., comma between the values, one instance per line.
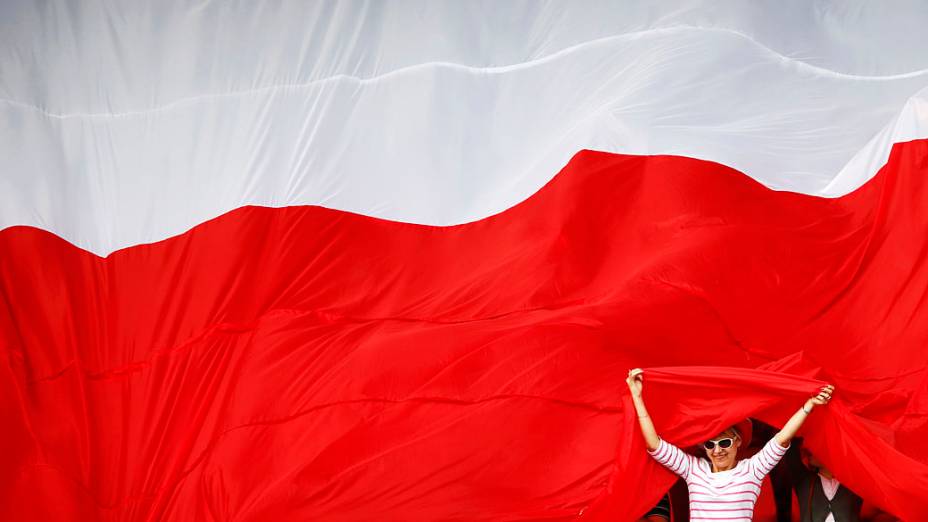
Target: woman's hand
x=824, y=395
x=795, y=422
x=635, y=381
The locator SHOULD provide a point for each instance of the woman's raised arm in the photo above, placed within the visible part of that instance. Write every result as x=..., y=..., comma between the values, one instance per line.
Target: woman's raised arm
x=635, y=385
x=792, y=426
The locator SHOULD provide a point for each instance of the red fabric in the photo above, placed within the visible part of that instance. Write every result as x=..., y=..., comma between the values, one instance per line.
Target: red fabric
x=303, y=363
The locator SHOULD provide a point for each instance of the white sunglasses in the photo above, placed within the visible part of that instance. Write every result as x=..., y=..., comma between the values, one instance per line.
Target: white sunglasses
x=723, y=443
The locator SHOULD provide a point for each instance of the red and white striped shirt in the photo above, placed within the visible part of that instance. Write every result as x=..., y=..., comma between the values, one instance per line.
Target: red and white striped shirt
x=726, y=495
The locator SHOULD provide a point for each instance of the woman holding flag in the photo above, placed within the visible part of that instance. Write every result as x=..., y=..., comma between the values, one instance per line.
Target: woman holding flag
x=720, y=487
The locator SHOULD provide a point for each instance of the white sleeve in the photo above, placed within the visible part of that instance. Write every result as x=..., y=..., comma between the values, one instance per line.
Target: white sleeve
x=673, y=458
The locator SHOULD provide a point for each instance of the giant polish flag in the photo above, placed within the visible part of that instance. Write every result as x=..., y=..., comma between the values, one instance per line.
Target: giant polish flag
x=359, y=261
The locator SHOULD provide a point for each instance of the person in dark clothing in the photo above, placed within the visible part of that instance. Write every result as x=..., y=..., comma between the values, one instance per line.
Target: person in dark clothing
x=821, y=497
x=660, y=512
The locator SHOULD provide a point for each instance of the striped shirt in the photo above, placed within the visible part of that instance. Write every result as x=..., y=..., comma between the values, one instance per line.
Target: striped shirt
x=726, y=495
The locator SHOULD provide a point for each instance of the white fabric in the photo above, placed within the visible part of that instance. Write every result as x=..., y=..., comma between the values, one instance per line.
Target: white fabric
x=830, y=487
x=125, y=123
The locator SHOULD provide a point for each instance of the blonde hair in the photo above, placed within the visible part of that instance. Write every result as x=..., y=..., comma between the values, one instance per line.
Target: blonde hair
x=735, y=433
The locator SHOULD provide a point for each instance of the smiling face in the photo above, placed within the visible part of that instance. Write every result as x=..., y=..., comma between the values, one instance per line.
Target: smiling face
x=724, y=458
